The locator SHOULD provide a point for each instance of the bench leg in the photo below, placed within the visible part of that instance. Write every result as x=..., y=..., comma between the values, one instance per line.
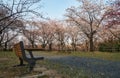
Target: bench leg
x=21, y=61
x=31, y=65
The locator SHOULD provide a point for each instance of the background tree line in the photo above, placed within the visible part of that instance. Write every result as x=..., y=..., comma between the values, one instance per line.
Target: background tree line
x=92, y=26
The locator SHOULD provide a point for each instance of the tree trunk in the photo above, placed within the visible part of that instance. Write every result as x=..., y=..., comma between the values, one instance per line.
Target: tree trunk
x=62, y=46
x=0, y=44
x=32, y=44
x=74, y=46
x=50, y=46
x=0, y=32
x=5, y=47
x=44, y=44
x=91, y=46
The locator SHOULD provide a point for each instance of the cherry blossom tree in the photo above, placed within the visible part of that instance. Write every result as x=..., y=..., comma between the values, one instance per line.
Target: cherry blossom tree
x=12, y=10
x=88, y=17
x=112, y=19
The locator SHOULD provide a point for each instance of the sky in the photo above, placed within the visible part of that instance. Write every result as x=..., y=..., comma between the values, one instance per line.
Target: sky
x=55, y=9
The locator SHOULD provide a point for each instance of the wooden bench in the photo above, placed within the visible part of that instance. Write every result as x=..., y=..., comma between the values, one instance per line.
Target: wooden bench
x=21, y=54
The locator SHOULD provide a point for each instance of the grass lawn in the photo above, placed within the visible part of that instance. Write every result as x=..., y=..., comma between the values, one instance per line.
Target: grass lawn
x=8, y=59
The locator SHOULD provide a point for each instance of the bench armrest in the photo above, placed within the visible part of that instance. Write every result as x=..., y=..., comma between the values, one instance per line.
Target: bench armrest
x=35, y=49
x=31, y=54
x=31, y=50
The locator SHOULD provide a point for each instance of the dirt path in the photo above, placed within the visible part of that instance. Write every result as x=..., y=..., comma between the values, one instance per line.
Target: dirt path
x=4, y=59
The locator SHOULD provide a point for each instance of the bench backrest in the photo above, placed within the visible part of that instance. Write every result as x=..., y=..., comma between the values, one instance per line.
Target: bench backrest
x=19, y=50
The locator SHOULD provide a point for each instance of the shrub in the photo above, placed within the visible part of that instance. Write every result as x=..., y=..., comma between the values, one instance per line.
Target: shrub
x=113, y=46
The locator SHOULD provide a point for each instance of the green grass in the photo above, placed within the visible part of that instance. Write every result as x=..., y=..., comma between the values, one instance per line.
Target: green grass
x=69, y=72
x=9, y=59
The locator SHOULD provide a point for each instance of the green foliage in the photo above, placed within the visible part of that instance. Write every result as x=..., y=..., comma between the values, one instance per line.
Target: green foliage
x=110, y=46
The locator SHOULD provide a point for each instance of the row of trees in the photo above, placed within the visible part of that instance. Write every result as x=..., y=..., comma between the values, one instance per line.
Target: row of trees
x=53, y=33
x=85, y=27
